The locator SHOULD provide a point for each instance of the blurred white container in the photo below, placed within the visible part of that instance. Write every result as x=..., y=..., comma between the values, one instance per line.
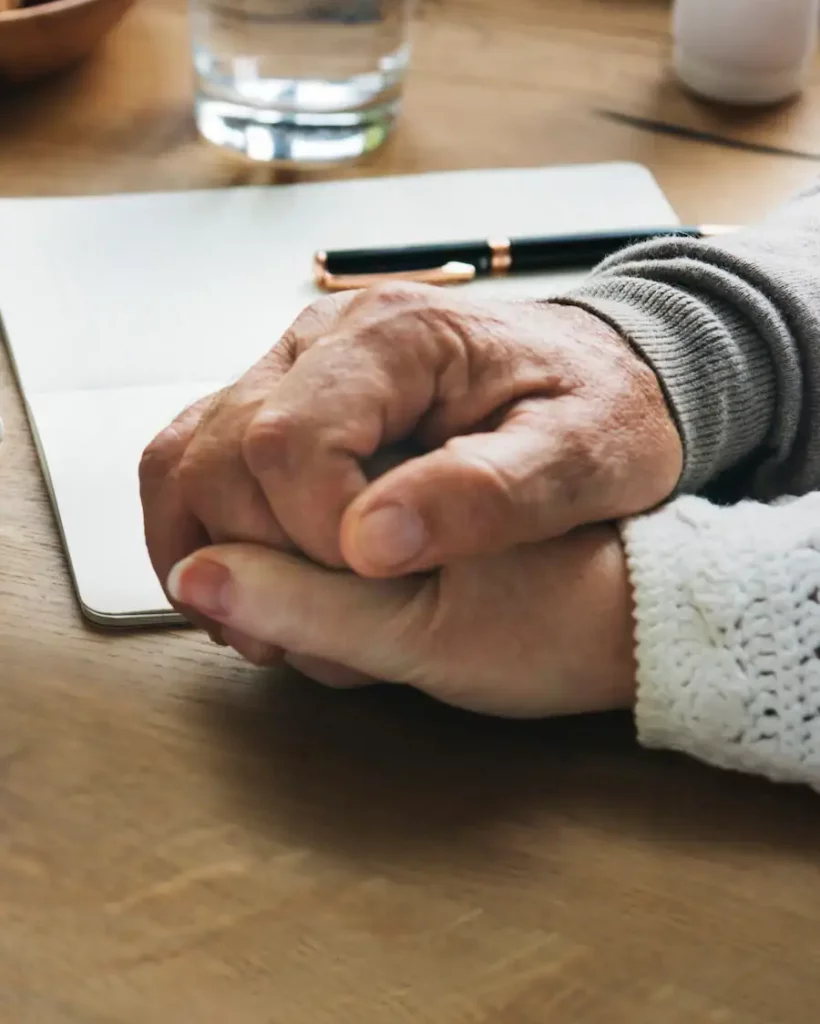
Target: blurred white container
x=745, y=52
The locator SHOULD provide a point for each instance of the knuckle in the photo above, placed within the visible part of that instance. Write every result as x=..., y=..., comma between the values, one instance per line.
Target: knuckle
x=160, y=456
x=392, y=294
x=190, y=473
x=326, y=310
x=373, y=317
x=319, y=318
x=205, y=411
x=205, y=468
x=395, y=291
x=268, y=441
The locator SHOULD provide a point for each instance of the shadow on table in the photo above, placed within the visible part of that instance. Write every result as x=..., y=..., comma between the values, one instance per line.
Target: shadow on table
x=385, y=773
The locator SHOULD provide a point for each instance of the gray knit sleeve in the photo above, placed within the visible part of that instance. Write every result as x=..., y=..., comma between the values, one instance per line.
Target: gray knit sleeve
x=732, y=328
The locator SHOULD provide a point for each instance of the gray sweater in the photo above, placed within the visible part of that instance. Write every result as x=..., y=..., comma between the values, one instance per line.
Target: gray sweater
x=732, y=328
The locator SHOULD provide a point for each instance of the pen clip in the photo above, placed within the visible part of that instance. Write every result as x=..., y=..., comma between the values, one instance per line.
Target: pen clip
x=450, y=273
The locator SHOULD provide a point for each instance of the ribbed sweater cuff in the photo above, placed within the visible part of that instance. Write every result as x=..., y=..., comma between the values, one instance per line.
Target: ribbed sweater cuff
x=714, y=368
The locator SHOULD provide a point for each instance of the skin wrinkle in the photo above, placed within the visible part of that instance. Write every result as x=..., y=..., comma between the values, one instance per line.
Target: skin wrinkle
x=454, y=371
x=271, y=433
x=406, y=357
x=481, y=396
x=423, y=387
x=571, y=468
x=241, y=504
x=493, y=504
x=210, y=407
x=413, y=624
x=162, y=454
x=388, y=428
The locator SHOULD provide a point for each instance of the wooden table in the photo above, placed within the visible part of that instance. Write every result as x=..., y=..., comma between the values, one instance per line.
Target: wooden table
x=186, y=840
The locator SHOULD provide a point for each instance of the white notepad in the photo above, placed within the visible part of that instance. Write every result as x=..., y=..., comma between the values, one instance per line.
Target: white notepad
x=119, y=311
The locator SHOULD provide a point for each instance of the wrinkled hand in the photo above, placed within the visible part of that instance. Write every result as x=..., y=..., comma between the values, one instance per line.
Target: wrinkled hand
x=537, y=630
x=535, y=418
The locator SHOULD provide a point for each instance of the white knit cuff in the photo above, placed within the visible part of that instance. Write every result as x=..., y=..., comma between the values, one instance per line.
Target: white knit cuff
x=727, y=628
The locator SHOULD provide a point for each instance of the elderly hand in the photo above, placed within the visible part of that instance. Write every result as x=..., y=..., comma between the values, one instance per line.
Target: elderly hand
x=537, y=630
x=535, y=418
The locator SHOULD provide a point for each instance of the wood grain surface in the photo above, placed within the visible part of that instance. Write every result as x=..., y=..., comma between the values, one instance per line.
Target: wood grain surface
x=185, y=839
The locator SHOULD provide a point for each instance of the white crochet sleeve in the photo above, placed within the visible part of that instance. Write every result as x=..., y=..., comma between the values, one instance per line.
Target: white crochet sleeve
x=727, y=627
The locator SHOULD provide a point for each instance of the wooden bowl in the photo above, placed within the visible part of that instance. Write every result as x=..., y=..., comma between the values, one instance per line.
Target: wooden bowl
x=39, y=40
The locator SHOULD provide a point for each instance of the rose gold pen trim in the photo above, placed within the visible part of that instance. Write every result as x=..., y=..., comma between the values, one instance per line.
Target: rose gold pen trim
x=320, y=267
x=450, y=273
x=500, y=258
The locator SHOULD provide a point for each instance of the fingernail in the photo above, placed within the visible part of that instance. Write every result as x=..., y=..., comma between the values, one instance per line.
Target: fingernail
x=201, y=584
x=391, y=536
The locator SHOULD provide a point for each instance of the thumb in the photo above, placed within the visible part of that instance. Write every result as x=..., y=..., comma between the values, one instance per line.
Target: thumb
x=533, y=478
x=371, y=626
x=553, y=464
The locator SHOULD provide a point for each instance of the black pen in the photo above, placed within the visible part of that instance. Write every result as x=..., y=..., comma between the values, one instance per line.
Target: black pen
x=460, y=262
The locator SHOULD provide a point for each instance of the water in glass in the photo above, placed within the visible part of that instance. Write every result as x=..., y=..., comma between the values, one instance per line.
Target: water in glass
x=300, y=81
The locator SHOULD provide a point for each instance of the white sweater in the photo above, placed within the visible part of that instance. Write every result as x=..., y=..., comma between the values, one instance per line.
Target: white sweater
x=727, y=610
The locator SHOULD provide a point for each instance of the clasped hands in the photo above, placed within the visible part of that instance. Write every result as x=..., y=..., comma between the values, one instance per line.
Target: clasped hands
x=469, y=570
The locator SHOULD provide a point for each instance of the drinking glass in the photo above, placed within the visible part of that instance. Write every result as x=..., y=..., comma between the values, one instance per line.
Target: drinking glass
x=304, y=81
